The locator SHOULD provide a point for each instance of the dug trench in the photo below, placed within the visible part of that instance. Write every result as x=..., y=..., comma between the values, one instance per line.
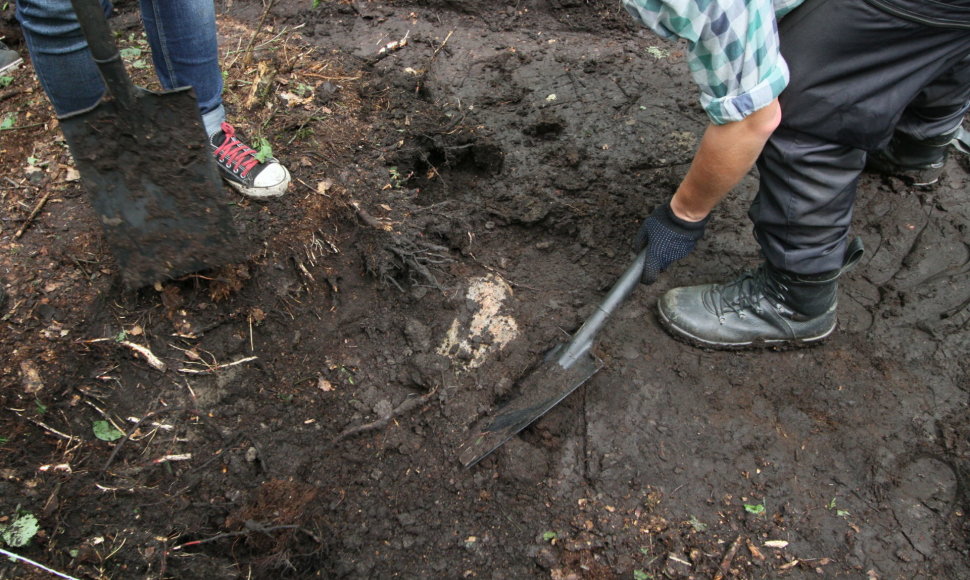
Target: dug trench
x=461, y=202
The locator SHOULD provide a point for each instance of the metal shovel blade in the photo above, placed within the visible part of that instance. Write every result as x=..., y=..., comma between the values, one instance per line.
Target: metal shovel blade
x=564, y=369
x=144, y=158
x=153, y=183
x=542, y=389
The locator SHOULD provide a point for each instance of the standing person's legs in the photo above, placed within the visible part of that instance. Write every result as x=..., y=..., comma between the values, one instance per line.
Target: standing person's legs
x=940, y=106
x=854, y=69
x=182, y=34
x=59, y=54
x=929, y=126
x=185, y=51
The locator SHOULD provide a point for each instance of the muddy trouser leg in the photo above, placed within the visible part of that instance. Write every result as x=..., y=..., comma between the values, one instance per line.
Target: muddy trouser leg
x=804, y=204
x=939, y=107
x=854, y=70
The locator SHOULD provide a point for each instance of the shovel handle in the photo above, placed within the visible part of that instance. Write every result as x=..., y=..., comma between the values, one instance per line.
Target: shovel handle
x=583, y=339
x=94, y=25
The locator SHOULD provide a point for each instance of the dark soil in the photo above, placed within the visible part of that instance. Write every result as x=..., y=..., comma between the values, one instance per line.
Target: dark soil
x=459, y=206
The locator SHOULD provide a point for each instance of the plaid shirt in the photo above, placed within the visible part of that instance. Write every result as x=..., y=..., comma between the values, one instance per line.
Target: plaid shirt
x=733, y=49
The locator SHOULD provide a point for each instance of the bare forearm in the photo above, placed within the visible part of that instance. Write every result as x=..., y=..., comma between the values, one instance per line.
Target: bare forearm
x=725, y=155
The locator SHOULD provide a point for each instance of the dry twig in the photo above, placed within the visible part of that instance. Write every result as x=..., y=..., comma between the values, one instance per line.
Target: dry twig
x=134, y=429
x=213, y=368
x=251, y=527
x=248, y=56
x=725, y=567
x=33, y=214
x=401, y=409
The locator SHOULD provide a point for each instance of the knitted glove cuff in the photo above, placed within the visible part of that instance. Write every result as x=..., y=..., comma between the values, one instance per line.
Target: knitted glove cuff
x=692, y=230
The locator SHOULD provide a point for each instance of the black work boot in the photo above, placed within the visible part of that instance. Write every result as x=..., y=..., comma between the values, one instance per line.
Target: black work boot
x=919, y=161
x=764, y=307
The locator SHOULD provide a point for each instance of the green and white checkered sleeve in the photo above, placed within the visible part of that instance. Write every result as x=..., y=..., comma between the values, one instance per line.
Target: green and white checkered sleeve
x=733, y=49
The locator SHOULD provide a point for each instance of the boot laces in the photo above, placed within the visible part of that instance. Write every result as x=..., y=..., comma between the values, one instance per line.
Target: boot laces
x=747, y=293
x=236, y=155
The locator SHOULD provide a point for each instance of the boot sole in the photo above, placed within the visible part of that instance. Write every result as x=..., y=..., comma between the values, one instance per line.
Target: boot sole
x=777, y=343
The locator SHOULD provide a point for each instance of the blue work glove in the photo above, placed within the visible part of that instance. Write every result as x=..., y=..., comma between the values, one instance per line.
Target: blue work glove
x=667, y=239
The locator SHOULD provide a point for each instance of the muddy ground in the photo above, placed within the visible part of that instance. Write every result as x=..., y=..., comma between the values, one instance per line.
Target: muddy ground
x=458, y=207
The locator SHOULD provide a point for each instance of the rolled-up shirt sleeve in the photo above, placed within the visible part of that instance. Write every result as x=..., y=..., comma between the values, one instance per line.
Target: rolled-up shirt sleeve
x=733, y=50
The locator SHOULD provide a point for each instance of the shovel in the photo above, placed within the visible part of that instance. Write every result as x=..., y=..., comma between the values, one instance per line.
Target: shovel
x=565, y=368
x=144, y=159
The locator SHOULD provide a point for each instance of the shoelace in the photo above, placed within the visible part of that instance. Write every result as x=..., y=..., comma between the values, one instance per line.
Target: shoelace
x=745, y=293
x=235, y=152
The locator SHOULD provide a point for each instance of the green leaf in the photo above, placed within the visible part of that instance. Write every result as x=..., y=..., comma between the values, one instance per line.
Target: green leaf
x=5, y=81
x=20, y=531
x=41, y=407
x=130, y=53
x=265, y=151
x=641, y=575
x=698, y=525
x=549, y=536
x=106, y=432
x=8, y=122
x=756, y=509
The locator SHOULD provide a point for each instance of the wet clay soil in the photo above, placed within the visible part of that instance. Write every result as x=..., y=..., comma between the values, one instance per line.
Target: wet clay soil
x=459, y=206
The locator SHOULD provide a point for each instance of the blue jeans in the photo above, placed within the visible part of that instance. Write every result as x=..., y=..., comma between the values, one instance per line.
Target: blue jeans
x=181, y=33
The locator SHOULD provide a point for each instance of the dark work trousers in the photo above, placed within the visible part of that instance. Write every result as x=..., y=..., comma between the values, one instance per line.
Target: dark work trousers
x=857, y=73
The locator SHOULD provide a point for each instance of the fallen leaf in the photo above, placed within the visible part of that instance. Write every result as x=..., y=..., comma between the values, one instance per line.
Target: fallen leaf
x=776, y=544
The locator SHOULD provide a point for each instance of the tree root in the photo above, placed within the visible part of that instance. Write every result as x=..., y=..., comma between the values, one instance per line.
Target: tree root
x=405, y=407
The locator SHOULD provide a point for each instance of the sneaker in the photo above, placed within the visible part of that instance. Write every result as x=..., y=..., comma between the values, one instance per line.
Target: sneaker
x=761, y=308
x=918, y=161
x=240, y=167
x=9, y=59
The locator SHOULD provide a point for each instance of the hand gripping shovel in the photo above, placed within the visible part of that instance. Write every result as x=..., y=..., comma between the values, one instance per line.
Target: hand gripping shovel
x=144, y=159
x=564, y=369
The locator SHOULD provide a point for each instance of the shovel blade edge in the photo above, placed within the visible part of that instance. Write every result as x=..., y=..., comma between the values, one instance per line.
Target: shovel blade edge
x=541, y=390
